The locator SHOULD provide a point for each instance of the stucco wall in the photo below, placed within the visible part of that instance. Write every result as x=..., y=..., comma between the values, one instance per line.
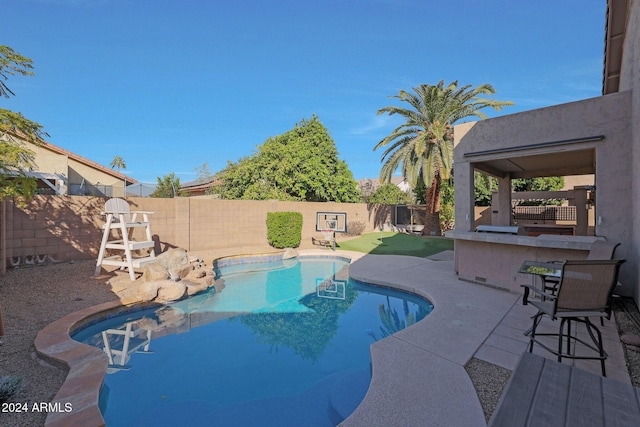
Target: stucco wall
x=498, y=263
x=630, y=81
x=69, y=227
x=92, y=175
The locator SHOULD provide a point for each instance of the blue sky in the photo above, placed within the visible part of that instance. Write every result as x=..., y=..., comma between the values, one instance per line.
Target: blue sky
x=171, y=84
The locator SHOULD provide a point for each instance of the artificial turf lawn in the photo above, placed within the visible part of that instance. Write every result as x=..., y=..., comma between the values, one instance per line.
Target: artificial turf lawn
x=390, y=243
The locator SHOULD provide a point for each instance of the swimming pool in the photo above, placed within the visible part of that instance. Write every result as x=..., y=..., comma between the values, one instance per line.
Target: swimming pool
x=284, y=342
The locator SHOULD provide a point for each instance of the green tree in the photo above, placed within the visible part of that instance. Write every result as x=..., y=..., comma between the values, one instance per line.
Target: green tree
x=167, y=186
x=12, y=63
x=447, y=208
x=15, y=129
x=118, y=163
x=423, y=145
x=301, y=164
x=389, y=194
x=447, y=211
x=549, y=183
x=484, y=185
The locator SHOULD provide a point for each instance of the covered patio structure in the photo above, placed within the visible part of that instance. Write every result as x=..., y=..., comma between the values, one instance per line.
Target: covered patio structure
x=592, y=136
x=598, y=135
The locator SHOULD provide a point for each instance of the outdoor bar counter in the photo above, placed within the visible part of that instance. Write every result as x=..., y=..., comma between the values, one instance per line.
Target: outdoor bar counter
x=495, y=258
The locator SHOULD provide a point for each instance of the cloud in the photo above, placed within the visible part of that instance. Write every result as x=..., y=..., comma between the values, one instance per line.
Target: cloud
x=376, y=123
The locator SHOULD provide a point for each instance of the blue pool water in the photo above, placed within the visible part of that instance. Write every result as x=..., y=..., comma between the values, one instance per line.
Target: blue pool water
x=282, y=343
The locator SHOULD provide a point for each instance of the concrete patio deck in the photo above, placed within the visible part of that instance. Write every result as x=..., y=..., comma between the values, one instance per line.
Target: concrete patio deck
x=419, y=375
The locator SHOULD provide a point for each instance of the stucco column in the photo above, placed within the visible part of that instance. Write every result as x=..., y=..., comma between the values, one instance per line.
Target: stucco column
x=582, y=214
x=503, y=205
x=464, y=197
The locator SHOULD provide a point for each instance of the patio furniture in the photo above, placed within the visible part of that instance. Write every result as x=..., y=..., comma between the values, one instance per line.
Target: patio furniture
x=544, y=392
x=600, y=249
x=585, y=291
x=545, y=270
x=123, y=222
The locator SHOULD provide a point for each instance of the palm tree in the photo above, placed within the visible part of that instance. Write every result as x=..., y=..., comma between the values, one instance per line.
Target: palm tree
x=422, y=147
x=118, y=162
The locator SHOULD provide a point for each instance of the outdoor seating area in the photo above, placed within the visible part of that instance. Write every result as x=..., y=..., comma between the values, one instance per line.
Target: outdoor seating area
x=584, y=291
x=600, y=249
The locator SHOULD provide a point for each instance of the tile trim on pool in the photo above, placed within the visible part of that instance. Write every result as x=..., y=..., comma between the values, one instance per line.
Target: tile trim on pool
x=258, y=258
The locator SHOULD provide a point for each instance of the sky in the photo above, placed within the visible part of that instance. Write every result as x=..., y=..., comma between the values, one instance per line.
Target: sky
x=171, y=85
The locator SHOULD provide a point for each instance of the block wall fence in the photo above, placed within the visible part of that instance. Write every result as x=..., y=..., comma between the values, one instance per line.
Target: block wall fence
x=68, y=228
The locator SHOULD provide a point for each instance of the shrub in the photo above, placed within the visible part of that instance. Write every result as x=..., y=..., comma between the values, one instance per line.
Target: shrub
x=284, y=229
x=9, y=386
x=355, y=228
x=447, y=217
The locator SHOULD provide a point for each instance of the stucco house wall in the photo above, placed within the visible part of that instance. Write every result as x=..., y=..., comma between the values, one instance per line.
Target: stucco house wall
x=630, y=81
x=49, y=161
x=50, y=158
x=79, y=171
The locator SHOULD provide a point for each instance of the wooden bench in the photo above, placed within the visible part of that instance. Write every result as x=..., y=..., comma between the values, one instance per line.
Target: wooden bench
x=543, y=392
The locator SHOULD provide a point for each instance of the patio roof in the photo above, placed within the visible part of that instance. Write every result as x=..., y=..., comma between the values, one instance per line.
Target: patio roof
x=538, y=160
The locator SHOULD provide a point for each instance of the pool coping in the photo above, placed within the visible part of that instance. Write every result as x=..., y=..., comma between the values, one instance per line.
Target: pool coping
x=86, y=366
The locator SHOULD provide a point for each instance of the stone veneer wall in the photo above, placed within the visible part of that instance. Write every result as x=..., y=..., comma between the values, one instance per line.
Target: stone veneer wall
x=69, y=227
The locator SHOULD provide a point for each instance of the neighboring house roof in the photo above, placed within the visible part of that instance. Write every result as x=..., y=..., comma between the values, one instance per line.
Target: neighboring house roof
x=59, y=150
x=199, y=182
x=87, y=162
x=369, y=185
x=199, y=186
x=401, y=182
